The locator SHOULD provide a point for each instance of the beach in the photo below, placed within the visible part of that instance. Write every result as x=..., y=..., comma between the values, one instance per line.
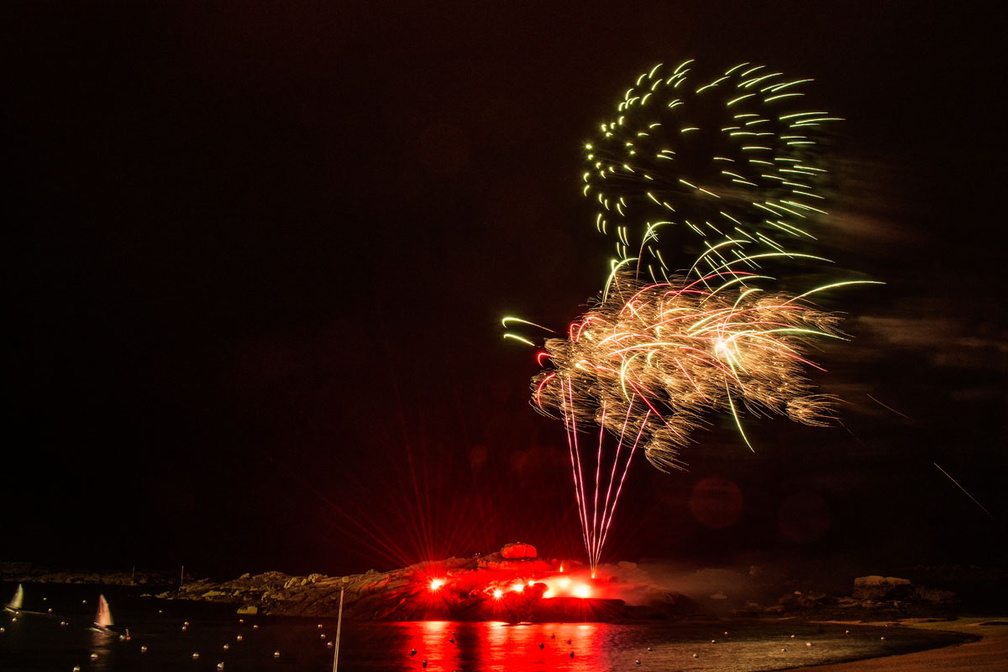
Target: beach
x=989, y=654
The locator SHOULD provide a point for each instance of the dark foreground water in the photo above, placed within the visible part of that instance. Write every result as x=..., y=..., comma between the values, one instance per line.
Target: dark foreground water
x=173, y=636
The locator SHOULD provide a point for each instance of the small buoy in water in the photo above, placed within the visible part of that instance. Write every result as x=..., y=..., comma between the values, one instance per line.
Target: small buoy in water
x=76, y=668
x=637, y=662
x=713, y=641
x=226, y=647
x=255, y=627
x=94, y=656
x=195, y=656
x=846, y=632
x=143, y=649
x=649, y=648
x=451, y=640
x=276, y=654
x=184, y=628
x=541, y=645
x=553, y=636
x=238, y=638
x=49, y=610
x=220, y=666
x=319, y=626
x=64, y=623
x=808, y=644
x=328, y=645
x=413, y=652
x=696, y=655
x=572, y=654
x=424, y=664
x=322, y=635
x=568, y=641
x=792, y=636
x=783, y=649
x=882, y=638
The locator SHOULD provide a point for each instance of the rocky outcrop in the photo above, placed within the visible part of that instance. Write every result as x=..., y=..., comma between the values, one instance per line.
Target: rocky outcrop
x=872, y=596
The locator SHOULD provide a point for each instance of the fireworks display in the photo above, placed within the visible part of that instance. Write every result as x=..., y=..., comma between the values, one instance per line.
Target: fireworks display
x=650, y=360
x=696, y=165
x=720, y=179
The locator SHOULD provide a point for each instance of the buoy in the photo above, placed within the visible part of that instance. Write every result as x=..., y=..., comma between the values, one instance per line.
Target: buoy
x=413, y=652
x=649, y=648
x=322, y=635
x=808, y=644
x=541, y=645
x=143, y=649
x=696, y=655
x=637, y=662
x=220, y=666
x=226, y=647
x=94, y=656
x=276, y=654
x=424, y=664
x=328, y=645
x=572, y=654
x=238, y=638
x=195, y=656
x=76, y=668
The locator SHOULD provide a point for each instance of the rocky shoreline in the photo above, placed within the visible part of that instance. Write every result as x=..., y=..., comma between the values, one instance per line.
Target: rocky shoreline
x=622, y=592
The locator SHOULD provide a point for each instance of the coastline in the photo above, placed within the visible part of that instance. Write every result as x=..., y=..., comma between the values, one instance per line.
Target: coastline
x=987, y=654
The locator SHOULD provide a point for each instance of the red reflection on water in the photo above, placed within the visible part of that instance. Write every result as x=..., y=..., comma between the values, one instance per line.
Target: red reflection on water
x=433, y=642
x=497, y=646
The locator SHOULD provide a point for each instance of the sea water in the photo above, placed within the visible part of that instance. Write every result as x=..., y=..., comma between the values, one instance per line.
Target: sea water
x=155, y=635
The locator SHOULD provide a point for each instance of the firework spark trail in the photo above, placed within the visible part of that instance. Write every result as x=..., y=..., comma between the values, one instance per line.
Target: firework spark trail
x=721, y=176
x=729, y=158
x=681, y=351
x=965, y=491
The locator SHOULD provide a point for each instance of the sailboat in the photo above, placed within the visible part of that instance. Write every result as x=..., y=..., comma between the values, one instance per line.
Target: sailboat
x=103, y=619
x=14, y=606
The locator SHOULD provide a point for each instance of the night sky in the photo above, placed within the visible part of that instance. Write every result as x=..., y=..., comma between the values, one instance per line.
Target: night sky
x=257, y=254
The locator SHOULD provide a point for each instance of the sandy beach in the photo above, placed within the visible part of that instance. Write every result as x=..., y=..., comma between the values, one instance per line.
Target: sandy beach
x=990, y=654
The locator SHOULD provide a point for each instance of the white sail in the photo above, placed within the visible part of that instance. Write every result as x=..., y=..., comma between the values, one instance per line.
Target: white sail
x=103, y=619
x=17, y=600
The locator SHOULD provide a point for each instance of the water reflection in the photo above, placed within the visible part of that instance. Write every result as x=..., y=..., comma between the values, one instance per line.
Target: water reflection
x=498, y=646
x=100, y=649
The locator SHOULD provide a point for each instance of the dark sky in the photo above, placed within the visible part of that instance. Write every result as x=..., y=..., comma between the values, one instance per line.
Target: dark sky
x=257, y=254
